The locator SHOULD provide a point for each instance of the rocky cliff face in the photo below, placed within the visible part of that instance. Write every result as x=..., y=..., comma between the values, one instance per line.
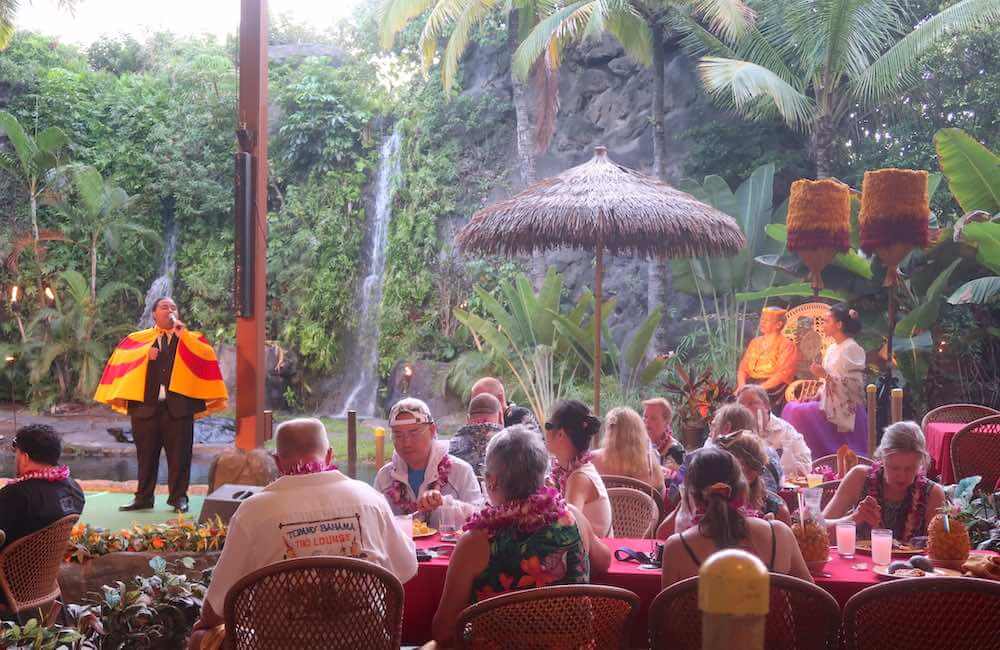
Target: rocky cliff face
x=605, y=99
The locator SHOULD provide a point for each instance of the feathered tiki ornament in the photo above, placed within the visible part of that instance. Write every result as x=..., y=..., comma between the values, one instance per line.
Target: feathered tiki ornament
x=819, y=223
x=895, y=212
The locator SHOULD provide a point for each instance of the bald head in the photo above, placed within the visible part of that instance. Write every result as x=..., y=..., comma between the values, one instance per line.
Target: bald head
x=302, y=439
x=490, y=386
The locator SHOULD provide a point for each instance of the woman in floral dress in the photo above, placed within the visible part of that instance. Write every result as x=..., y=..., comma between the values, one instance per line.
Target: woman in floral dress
x=528, y=538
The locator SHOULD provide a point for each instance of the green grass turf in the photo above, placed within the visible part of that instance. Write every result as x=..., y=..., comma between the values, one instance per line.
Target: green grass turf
x=101, y=510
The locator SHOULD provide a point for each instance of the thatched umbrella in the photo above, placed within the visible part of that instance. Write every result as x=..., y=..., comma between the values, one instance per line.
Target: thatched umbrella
x=600, y=206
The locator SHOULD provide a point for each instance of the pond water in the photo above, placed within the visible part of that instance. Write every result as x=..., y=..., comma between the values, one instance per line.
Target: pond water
x=124, y=468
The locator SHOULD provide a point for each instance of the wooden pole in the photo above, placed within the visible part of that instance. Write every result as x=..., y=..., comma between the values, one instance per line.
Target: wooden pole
x=251, y=372
x=897, y=404
x=599, y=275
x=379, y=447
x=352, y=444
x=871, y=389
x=734, y=596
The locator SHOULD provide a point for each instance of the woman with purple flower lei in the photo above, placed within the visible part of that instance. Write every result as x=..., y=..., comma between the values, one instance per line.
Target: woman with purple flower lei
x=894, y=493
x=529, y=537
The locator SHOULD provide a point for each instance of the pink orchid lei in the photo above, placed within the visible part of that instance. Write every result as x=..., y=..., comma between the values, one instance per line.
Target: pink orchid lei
x=917, y=498
x=561, y=474
x=397, y=491
x=309, y=467
x=541, y=509
x=50, y=474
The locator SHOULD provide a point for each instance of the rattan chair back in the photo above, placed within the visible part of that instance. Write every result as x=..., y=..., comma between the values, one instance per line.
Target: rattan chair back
x=961, y=413
x=830, y=461
x=614, y=480
x=926, y=613
x=975, y=451
x=802, y=389
x=802, y=616
x=570, y=616
x=315, y=602
x=29, y=566
x=633, y=513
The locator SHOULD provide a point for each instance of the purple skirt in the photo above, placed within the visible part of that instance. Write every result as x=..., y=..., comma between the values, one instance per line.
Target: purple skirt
x=820, y=434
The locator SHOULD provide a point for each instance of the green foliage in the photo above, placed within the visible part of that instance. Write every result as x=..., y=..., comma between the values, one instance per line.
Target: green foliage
x=973, y=171
x=36, y=636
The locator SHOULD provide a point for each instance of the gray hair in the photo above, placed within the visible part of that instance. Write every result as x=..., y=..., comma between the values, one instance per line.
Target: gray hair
x=903, y=436
x=516, y=457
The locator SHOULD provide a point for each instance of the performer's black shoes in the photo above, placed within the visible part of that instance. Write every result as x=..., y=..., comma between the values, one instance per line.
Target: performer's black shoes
x=181, y=505
x=136, y=505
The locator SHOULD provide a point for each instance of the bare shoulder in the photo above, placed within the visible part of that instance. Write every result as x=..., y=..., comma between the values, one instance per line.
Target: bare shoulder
x=857, y=475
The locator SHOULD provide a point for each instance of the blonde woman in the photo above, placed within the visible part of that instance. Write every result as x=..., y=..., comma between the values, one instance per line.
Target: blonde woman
x=751, y=452
x=626, y=450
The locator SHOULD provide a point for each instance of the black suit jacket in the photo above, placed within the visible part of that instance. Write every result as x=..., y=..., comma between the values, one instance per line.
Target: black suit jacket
x=157, y=373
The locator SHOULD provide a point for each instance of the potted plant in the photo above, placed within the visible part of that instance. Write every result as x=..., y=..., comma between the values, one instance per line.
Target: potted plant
x=699, y=396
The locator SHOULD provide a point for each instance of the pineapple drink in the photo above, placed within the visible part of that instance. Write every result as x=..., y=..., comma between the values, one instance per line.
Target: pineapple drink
x=810, y=529
x=947, y=537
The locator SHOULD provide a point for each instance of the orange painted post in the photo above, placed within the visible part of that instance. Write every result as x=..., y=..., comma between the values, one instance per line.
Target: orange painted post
x=379, y=447
x=872, y=419
x=251, y=372
x=352, y=444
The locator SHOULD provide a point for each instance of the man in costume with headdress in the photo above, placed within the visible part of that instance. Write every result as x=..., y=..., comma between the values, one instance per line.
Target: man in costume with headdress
x=163, y=377
x=771, y=358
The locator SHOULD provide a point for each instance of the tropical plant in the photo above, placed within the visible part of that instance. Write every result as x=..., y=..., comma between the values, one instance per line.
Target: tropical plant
x=154, y=613
x=101, y=212
x=815, y=62
x=35, y=636
x=524, y=336
x=700, y=395
x=87, y=542
x=462, y=17
x=34, y=161
x=78, y=340
x=8, y=11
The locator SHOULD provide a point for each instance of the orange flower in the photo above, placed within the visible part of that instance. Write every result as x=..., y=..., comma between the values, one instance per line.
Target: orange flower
x=535, y=574
x=157, y=543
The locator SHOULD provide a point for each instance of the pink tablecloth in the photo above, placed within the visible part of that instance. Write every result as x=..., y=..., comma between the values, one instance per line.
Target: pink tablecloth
x=938, y=436
x=423, y=592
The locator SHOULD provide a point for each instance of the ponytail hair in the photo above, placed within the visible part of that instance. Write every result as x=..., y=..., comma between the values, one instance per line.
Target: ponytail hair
x=847, y=317
x=715, y=482
x=577, y=421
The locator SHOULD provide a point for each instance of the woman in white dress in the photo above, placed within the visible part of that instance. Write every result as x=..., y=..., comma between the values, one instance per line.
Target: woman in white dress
x=837, y=414
x=568, y=435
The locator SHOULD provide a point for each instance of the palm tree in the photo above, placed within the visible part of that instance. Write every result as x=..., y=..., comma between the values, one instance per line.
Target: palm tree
x=100, y=214
x=814, y=62
x=8, y=11
x=34, y=161
x=462, y=17
x=640, y=26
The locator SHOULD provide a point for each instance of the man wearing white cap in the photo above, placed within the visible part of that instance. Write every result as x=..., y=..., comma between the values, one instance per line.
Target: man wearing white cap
x=422, y=473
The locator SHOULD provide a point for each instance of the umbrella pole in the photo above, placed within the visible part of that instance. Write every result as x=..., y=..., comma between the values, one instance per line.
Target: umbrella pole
x=598, y=276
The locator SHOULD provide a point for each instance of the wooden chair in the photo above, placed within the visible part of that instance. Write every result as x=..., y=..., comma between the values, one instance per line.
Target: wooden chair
x=613, y=480
x=975, y=451
x=570, y=616
x=802, y=616
x=830, y=460
x=961, y=413
x=927, y=613
x=633, y=513
x=29, y=570
x=315, y=602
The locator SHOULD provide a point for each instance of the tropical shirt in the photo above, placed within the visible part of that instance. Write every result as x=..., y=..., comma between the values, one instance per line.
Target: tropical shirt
x=553, y=555
x=469, y=443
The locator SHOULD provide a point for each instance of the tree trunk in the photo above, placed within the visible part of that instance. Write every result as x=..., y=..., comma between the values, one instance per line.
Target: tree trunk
x=523, y=136
x=93, y=268
x=821, y=143
x=659, y=276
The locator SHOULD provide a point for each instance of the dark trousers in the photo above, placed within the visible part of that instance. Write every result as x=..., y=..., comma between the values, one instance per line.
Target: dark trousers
x=176, y=436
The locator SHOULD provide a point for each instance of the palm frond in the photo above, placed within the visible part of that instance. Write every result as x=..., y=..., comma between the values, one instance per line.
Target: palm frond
x=443, y=14
x=473, y=14
x=394, y=15
x=546, y=82
x=24, y=147
x=632, y=31
x=699, y=41
x=743, y=83
x=895, y=70
x=730, y=18
x=8, y=12
x=563, y=26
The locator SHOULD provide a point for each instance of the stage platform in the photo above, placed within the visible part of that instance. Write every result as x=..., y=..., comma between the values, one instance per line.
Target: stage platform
x=101, y=510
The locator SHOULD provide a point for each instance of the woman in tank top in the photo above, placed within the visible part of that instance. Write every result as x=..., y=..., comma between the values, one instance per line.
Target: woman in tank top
x=568, y=434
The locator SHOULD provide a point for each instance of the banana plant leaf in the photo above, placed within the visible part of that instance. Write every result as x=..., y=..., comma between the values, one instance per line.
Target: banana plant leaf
x=973, y=171
x=978, y=292
x=926, y=313
x=798, y=289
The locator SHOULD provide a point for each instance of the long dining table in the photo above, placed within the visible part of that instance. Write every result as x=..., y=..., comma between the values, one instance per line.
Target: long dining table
x=423, y=592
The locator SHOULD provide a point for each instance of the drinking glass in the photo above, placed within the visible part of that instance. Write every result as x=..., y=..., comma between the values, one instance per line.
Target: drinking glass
x=812, y=480
x=882, y=546
x=846, y=537
x=449, y=522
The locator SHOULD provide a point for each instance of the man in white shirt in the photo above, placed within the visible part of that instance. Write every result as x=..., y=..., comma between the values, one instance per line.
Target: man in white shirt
x=796, y=458
x=422, y=473
x=312, y=509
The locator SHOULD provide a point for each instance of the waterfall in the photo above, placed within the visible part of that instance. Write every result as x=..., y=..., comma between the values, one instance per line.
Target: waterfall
x=364, y=355
x=163, y=285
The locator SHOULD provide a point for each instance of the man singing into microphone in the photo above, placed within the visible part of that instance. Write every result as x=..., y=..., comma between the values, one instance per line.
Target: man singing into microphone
x=163, y=377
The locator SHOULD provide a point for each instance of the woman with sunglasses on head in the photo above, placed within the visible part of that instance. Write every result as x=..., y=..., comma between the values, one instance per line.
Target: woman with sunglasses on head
x=568, y=434
x=836, y=415
x=717, y=492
